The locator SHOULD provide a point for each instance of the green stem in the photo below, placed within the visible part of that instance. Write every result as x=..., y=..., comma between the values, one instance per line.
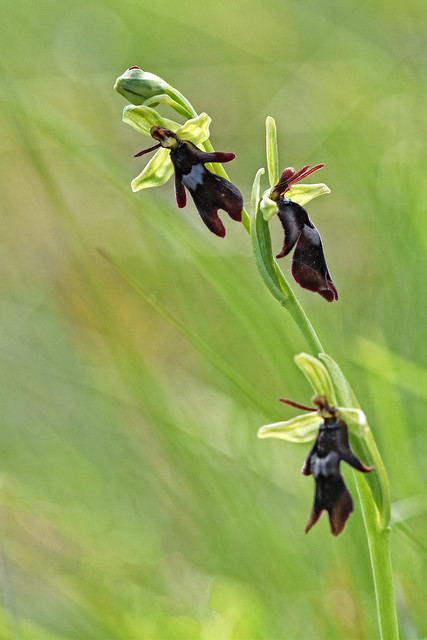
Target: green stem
x=379, y=552
x=181, y=99
x=304, y=325
x=166, y=99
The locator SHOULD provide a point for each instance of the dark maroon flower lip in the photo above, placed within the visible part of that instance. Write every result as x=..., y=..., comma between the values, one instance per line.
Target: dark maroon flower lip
x=309, y=267
x=323, y=463
x=210, y=192
x=134, y=67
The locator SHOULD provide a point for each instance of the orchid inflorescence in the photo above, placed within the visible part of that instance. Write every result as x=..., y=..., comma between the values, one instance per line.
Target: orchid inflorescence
x=184, y=150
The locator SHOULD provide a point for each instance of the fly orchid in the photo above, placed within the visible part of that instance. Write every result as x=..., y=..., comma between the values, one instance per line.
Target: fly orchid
x=329, y=426
x=209, y=191
x=309, y=267
x=323, y=463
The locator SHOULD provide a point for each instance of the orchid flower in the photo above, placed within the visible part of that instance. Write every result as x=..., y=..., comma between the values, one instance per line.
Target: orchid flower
x=329, y=426
x=309, y=267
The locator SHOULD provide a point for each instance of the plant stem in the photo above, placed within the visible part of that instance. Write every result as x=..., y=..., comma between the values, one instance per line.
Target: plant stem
x=379, y=552
x=299, y=316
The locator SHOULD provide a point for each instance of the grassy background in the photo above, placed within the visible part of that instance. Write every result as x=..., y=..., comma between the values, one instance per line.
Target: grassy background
x=136, y=501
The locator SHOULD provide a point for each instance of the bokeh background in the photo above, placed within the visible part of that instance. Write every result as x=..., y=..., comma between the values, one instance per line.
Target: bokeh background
x=136, y=500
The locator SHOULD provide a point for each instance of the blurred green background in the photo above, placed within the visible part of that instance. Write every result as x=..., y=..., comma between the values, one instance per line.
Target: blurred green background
x=136, y=500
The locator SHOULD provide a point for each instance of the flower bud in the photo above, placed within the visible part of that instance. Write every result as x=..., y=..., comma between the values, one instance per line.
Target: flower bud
x=137, y=85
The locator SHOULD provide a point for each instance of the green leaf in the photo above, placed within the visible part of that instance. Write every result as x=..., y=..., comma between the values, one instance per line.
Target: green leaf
x=156, y=172
x=299, y=429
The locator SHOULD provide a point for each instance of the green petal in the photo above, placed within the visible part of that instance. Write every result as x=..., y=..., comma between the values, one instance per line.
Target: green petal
x=303, y=193
x=143, y=118
x=317, y=375
x=195, y=130
x=300, y=429
x=355, y=420
x=157, y=172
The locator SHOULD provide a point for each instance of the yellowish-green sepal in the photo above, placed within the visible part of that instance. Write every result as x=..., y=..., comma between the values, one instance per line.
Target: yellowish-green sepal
x=156, y=172
x=303, y=193
x=304, y=428
x=143, y=118
x=299, y=429
x=317, y=375
x=196, y=129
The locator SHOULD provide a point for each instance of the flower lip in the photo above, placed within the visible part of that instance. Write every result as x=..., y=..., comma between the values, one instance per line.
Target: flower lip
x=309, y=267
x=323, y=463
x=134, y=67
